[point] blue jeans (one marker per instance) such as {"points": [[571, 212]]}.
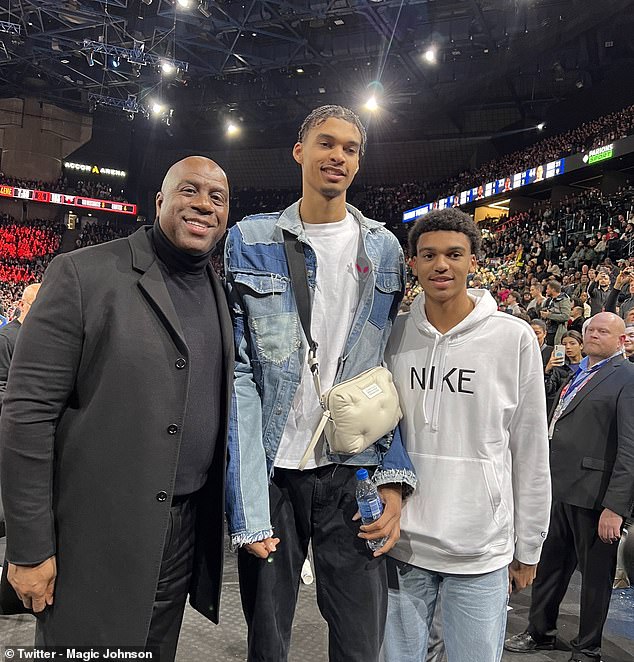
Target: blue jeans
{"points": [[473, 613]]}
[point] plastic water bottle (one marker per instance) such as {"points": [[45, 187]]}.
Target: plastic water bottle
{"points": [[370, 505]]}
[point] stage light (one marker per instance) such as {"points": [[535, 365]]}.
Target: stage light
{"points": [[232, 129], [90, 58], [168, 68], [372, 104], [157, 108], [430, 55], [183, 3], [115, 62], [541, 126], [299, 70]]}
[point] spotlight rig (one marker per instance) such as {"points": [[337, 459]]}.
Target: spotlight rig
{"points": [[136, 56]]}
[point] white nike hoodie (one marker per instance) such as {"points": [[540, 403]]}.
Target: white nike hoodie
{"points": [[474, 425]]}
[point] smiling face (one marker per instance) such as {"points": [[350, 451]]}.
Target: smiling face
{"points": [[443, 261], [329, 156], [193, 204]]}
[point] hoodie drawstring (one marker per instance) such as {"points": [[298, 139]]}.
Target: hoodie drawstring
{"points": [[430, 362], [439, 387]]}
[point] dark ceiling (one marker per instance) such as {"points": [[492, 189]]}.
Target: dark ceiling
{"points": [[265, 64]]}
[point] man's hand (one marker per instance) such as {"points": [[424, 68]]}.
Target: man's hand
{"points": [[610, 526], [520, 575], [544, 314], [623, 278], [34, 584], [554, 362], [263, 548], [389, 524]]}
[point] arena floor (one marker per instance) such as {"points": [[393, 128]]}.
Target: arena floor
{"points": [[202, 642]]}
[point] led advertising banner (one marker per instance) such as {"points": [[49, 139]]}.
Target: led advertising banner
{"points": [[534, 175], [69, 200]]}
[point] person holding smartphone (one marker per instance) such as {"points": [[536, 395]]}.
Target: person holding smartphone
{"points": [[562, 363], [622, 293]]}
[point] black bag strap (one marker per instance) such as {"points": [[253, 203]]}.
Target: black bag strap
{"points": [[294, 250], [299, 280]]}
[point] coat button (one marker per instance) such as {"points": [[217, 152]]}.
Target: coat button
{"points": [[181, 363], [161, 496], [172, 429]]}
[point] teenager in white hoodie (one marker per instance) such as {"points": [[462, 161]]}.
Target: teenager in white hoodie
{"points": [[470, 382]]}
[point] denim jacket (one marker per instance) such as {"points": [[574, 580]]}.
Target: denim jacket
{"points": [[270, 354]]}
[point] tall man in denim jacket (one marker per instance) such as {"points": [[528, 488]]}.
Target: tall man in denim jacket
{"points": [[355, 270]]}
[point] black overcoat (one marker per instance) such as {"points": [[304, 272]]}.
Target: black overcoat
{"points": [[89, 453]]}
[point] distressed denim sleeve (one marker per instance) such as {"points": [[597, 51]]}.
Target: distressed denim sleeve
{"points": [[247, 497], [395, 465]]}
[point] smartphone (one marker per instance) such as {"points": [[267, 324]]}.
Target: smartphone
{"points": [[559, 354]]}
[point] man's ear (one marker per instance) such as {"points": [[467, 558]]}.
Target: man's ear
{"points": [[298, 154], [159, 202], [414, 266]]}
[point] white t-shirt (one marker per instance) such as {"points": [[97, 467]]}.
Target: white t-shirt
{"points": [[335, 301]]}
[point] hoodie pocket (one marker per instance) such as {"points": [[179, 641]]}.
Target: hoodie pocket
{"points": [[461, 506]]}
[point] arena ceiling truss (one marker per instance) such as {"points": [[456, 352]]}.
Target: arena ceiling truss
{"points": [[267, 62]]}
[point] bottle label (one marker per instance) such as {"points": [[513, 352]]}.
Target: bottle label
{"points": [[371, 508]]}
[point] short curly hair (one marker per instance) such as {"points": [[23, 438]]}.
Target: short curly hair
{"points": [[449, 220], [323, 113]]}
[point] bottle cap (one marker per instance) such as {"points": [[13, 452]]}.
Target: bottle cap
{"points": [[362, 474]]}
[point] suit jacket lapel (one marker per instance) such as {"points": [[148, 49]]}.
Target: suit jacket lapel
{"points": [[153, 285], [603, 373]]}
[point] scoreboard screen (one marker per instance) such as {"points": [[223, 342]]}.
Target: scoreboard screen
{"points": [[79, 201]]}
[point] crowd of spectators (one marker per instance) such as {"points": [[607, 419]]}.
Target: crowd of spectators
{"points": [[27, 242], [386, 203], [25, 251], [571, 242], [246, 201], [89, 188], [93, 233], [588, 135]]}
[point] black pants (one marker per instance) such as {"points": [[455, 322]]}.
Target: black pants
{"points": [[174, 579], [351, 585], [573, 540]]}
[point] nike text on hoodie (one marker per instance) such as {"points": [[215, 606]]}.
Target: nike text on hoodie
{"points": [[474, 425]]}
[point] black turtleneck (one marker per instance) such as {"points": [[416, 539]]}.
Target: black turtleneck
{"points": [[187, 278]]}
